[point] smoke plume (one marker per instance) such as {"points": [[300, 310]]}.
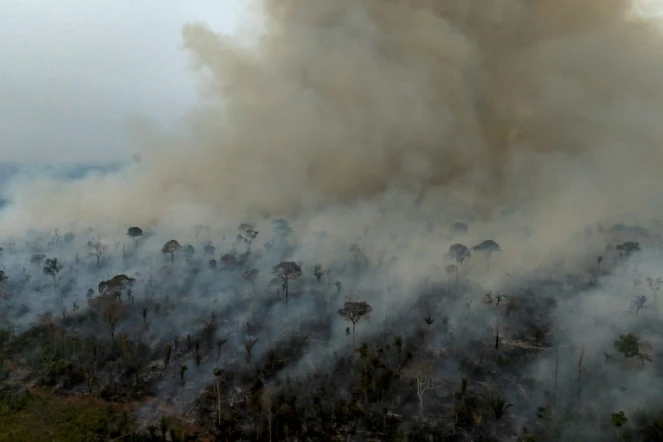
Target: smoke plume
{"points": [[475, 104]]}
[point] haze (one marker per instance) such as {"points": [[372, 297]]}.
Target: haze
{"points": [[73, 72]]}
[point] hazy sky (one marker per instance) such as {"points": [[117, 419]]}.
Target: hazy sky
{"points": [[73, 71]]}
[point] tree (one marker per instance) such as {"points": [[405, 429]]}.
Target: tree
{"points": [[135, 233], [248, 347], [618, 420], [247, 234], [188, 251], [98, 249], [460, 253], [281, 229], [218, 373], [421, 372], [209, 249], [639, 303], [183, 369], [499, 407], [37, 259], [487, 248], [497, 299], [170, 248], [52, 267], [655, 286], [113, 312], [630, 346], [69, 237], [116, 286], [459, 227], [268, 404], [3, 280], [318, 273], [197, 230], [250, 277], [427, 315], [628, 248], [353, 312], [284, 273]]}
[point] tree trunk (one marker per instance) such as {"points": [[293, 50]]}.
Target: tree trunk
{"points": [[353, 339], [457, 268], [497, 328], [555, 383], [285, 287], [218, 402]]}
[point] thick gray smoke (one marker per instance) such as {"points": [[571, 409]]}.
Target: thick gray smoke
{"points": [[478, 103]]}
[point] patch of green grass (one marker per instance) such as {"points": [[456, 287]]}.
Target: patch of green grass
{"points": [[32, 417]]}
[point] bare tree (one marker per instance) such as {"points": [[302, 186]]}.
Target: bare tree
{"points": [[496, 300], [98, 249], [248, 347], [655, 286], [268, 394], [218, 373], [421, 372], [197, 230]]}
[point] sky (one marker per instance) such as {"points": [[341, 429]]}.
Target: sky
{"points": [[74, 71]]}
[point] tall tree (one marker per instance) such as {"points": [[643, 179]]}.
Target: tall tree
{"points": [[285, 272], [135, 233], [353, 311], [459, 253], [487, 248], [499, 407], [52, 267], [197, 230], [170, 248], [98, 249], [491, 299], [3, 280], [421, 372]]}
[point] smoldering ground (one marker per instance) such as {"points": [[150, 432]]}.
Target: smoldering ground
{"points": [[379, 123]]}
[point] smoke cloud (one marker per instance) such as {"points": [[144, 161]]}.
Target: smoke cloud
{"points": [[454, 105]]}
